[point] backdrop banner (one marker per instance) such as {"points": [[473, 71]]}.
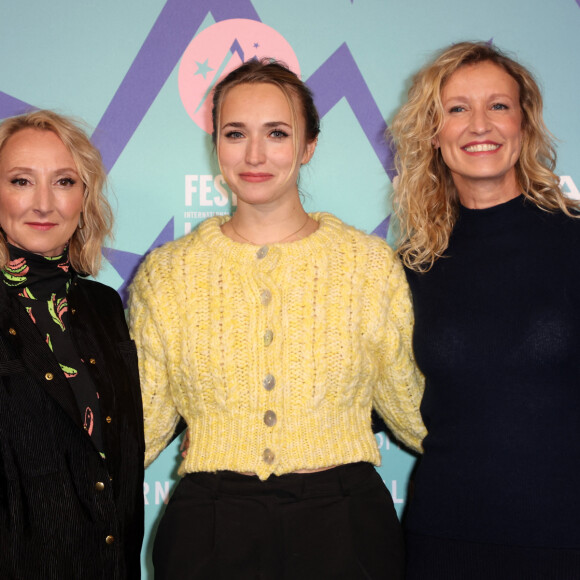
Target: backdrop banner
{"points": [[140, 74]]}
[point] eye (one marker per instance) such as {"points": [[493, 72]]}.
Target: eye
{"points": [[499, 107], [278, 134], [234, 135], [19, 181], [457, 109], [66, 181]]}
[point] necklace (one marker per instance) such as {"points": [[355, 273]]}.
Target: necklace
{"points": [[279, 241]]}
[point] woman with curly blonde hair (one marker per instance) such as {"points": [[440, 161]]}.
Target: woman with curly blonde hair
{"points": [[71, 420], [485, 235]]}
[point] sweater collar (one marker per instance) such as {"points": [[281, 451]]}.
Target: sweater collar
{"points": [[211, 234], [476, 222]]}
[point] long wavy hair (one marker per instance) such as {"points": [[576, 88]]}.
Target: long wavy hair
{"points": [[86, 242], [425, 200]]}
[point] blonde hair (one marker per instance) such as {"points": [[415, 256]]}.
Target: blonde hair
{"points": [[86, 243], [425, 200]]}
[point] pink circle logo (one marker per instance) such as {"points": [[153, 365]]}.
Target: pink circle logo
{"points": [[219, 49]]}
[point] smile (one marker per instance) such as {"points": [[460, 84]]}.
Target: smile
{"points": [[481, 147]]}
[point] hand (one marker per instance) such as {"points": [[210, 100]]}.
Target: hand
{"points": [[184, 447]]}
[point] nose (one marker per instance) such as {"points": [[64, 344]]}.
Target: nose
{"points": [[479, 120], [255, 152], [43, 198]]}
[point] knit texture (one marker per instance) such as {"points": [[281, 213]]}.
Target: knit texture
{"points": [[275, 356]]}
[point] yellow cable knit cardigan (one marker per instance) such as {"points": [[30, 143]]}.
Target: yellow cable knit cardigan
{"points": [[275, 355]]}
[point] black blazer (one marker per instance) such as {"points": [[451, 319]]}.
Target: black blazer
{"points": [[64, 511]]}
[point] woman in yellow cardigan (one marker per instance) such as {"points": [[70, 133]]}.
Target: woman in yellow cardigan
{"points": [[273, 333]]}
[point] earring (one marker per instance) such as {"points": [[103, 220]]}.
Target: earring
{"points": [[81, 222]]}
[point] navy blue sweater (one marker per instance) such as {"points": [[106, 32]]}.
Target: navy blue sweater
{"points": [[497, 335]]}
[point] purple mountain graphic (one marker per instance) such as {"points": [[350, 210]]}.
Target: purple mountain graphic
{"points": [[340, 77], [126, 263], [10, 106]]}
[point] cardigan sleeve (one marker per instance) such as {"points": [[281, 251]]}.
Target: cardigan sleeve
{"points": [[399, 390], [150, 319]]}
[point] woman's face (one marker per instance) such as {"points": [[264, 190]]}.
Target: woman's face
{"points": [[41, 193], [255, 146], [482, 134]]}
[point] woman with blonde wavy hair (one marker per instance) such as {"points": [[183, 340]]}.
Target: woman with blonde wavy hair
{"points": [[71, 427], [486, 238]]}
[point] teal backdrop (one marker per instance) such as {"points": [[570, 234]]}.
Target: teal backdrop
{"points": [[139, 72]]}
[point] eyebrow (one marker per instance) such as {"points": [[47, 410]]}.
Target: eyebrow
{"points": [[268, 125], [491, 97], [59, 170]]}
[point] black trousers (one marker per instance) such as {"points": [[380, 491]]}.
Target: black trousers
{"points": [[334, 524]]}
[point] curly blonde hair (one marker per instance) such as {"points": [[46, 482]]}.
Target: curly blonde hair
{"points": [[86, 243], [425, 200]]}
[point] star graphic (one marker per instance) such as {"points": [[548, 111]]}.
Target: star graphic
{"points": [[256, 45], [202, 68], [126, 263]]}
